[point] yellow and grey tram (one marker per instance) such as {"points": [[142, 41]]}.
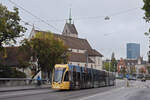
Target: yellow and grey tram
{"points": [[67, 77]]}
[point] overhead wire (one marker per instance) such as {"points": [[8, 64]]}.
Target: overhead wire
{"points": [[34, 15], [101, 16], [77, 18], [125, 11], [30, 24]]}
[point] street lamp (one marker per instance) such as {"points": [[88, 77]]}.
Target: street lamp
{"points": [[107, 18]]}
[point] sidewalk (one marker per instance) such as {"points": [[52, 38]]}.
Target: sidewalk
{"points": [[20, 88]]}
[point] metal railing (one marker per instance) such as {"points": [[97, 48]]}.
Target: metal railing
{"points": [[20, 81]]}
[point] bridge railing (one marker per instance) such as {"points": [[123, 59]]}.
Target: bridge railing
{"points": [[20, 81]]}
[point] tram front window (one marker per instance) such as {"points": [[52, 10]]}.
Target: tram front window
{"points": [[58, 75]]}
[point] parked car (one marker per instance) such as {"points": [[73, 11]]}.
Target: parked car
{"points": [[132, 78], [143, 80], [140, 76]]}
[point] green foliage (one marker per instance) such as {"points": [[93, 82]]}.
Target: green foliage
{"points": [[113, 68], [132, 70], [148, 68], [112, 64], [7, 72], [10, 27], [123, 71], [23, 64], [23, 58], [146, 8], [47, 49], [106, 66]]}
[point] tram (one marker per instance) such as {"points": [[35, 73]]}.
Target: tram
{"points": [[66, 77]]}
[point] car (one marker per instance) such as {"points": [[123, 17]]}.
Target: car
{"points": [[132, 78], [143, 80]]}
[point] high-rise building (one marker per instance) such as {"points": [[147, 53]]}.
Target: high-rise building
{"points": [[133, 51]]}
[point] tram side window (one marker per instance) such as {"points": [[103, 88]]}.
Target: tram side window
{"points": [[74, 76], [66, 76], [78, 76]]}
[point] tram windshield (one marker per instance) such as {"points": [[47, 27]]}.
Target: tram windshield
{"points": [[58, 74]]}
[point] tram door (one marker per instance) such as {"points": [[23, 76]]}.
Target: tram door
{"points": [[83, 80], [76, 79]]}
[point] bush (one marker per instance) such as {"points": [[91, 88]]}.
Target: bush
{"points": [[7, 72]]}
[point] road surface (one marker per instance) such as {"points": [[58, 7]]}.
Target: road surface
{"points": [[137, 91]]}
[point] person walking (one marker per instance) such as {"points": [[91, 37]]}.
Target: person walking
{"points": [[38, 81]]}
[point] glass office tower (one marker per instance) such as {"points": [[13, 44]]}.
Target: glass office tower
{"points": [[133, 50]]}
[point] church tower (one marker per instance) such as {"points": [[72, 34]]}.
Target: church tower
{"points": [[69, 28]]}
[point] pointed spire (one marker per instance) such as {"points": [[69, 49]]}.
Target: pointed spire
{"points": [[70, 17], [33, 28]]}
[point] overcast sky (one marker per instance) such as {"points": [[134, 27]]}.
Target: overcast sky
{"points": [[125, 25]]}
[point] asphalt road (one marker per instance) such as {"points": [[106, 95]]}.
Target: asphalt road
{"points": [[143, 94], [48, 94], [137, 91]]}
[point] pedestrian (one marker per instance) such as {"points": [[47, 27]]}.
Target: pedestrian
{"points": [[38, 81]]}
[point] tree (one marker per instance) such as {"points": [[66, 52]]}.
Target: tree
{"points": [[23, 63], [47, 49], [10, 27], [23, 58], [142, 70], [108, 66], [132, 70], [8, 72], [113, 62], [123, 71], [146, 8], [148, 69]]}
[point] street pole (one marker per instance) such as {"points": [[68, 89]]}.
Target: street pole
{"points": [[115, 73], [109, 72], [109, 66]]}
